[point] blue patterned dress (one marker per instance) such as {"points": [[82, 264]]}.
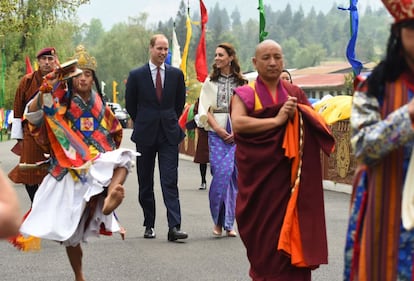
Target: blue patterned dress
{"points": [[215, 98]]}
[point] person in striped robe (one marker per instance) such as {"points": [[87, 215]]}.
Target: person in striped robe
{"points": [[379, 245]]}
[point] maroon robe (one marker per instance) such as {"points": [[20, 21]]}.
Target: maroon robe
{"points": [[31, 152], [264, 189]]}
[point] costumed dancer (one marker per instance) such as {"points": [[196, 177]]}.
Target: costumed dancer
{"points": [[32, 167], [380, 237], [77, 198]]}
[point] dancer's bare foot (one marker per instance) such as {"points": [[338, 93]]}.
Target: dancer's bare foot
{"points": [[122, 232], [114, 198]]}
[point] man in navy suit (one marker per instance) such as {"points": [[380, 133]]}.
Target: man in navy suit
{"points": [[156, 130]]}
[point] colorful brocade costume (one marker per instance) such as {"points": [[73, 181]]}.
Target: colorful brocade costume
{"points": [[68, 204], [378, 247], [265, 187]]}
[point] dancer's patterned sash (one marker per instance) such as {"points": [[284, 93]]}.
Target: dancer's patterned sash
{"points": [[76, 136], [381, 227]]}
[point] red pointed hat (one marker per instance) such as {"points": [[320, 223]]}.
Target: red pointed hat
{"points": [[400, 9]]}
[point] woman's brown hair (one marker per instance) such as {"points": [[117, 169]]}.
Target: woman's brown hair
{"points": [[234, 65]]}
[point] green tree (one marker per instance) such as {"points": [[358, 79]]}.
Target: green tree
{"points": [[249, 40], [285, 18], [59, 36], [27, 18], [290, 47], [180, 23], [93, 33], [235, 19], [24, 29], [276, 31], [130, 45], [310, 56]]}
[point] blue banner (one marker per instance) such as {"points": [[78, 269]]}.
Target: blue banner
{"points": [[350, 50]]}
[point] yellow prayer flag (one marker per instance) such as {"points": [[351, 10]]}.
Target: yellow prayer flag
{"points": [[183, 65]]}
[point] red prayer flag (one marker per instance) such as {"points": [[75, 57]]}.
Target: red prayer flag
{"points": [[29, 68], [201, 54]]}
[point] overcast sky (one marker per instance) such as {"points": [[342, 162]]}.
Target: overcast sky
{"points": [[115, 11]]}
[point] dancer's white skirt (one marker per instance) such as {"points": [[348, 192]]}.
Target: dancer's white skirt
{"points": [[59, 206]]}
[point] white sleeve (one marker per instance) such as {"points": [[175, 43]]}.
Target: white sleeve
{"points": [[35, 117], [17, 129], [207, 102]]}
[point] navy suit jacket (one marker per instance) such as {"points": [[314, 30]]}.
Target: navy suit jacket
{"points": [[148, 114]]}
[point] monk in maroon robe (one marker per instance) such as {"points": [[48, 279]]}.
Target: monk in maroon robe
{"points": [[260, 115]]}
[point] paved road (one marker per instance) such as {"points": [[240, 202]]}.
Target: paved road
{"points": [[201, 257]]}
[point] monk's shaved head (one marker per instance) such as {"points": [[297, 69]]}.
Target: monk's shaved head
{"points": [[268, 60], [266, 44]]}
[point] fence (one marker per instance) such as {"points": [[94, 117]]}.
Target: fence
{"points": [[339, 167]]}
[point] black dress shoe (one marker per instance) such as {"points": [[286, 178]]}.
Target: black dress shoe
{"points": [[175, 234], [149, 232]]}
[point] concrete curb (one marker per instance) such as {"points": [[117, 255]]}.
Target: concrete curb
{"points": [[338, 187]]}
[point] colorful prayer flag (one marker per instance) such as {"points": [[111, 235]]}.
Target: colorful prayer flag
{"points": [[350, 49], [262, 25], [29, 68], [183, 65], [201, 54], [176, 55], [168, 59]]}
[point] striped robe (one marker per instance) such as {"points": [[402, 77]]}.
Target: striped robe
{"points": [[377, 246]]}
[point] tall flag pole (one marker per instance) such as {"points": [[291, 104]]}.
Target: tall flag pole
{"points": [[114, 91], [103, 84], [175, 56], [3, 74], [262, 25], [350, 49], [201, 54], [183, 65]]}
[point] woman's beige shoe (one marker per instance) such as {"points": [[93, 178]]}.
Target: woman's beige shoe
{"points": [[231, 233], [217, 230]]}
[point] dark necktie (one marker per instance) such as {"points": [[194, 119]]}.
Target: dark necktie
{"points": [[158, 85]]}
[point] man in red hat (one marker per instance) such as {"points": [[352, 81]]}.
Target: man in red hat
{"points": [[380, 237], [27, 171]]}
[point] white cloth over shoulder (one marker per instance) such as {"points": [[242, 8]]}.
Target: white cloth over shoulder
{"points": [[208, 102], [59, 206], [407, 205]]}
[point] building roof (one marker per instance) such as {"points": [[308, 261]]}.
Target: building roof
{"points": [[327, 75], [319, 80], [331, 67]]}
